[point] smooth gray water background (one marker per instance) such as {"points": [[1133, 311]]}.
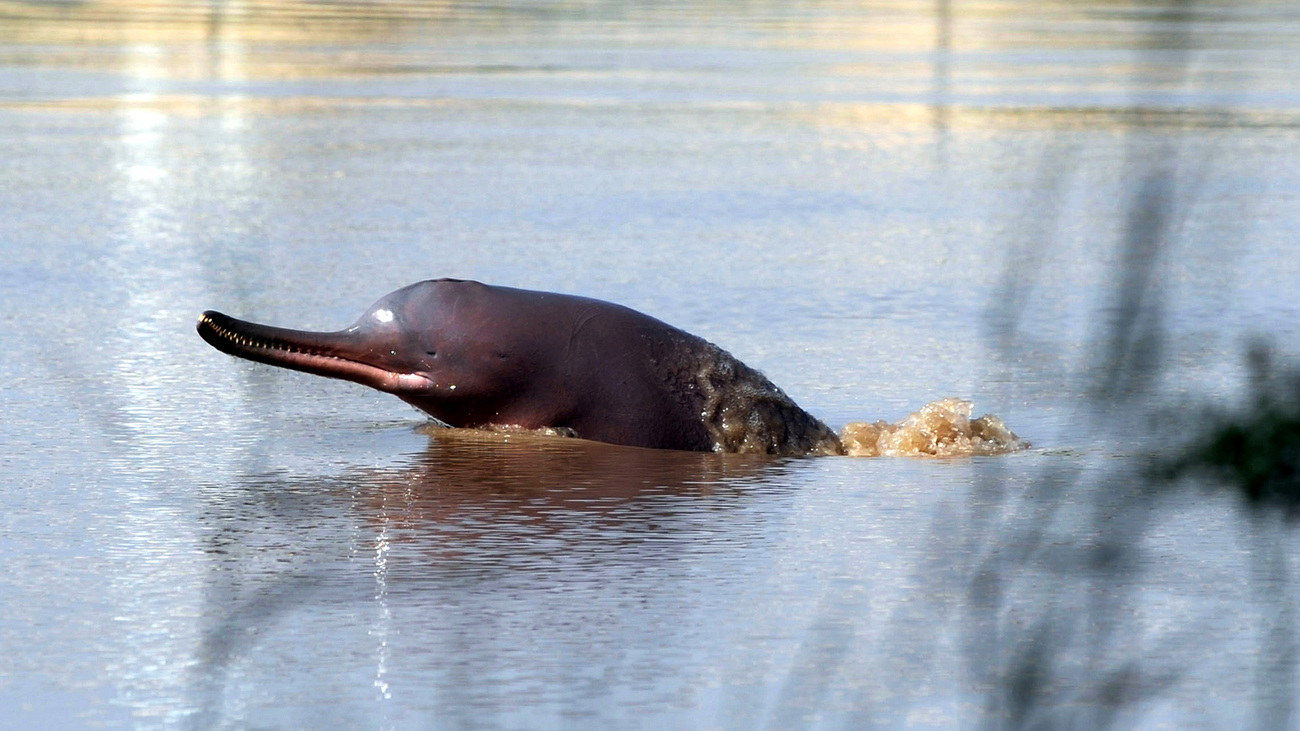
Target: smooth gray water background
{"points": [[878, 204]]}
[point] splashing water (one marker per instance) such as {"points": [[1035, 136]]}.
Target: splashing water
{"points": [[941, 428]]}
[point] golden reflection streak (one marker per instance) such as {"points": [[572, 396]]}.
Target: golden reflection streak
{"points": [[882, 25], [121, 21], [826, 115]]}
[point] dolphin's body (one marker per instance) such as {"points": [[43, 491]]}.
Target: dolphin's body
{"points": [[474, 355]]}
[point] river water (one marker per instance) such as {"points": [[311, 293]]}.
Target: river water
{"points": [[878, 204]]}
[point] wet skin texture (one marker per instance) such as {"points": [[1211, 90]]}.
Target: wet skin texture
{"points": [[472, 355]]}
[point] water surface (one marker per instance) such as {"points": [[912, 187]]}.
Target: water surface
{"points": [[877, 204]]}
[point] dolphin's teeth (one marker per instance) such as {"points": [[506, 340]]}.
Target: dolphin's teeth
{"points": [[252, 343]]}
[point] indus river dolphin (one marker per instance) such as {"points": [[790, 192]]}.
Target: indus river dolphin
{"points": [[474, 355]]}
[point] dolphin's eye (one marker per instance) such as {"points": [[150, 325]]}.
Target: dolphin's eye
{"points": [[392, 352], [431, 352]]}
